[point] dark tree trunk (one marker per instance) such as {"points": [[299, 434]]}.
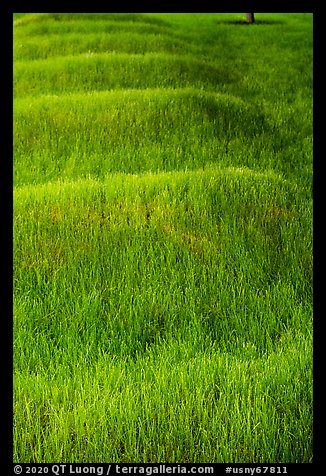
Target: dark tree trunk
{"points": [[250, 17]]}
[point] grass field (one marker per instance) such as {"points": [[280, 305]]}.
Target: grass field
{"points": [[162, 238]]}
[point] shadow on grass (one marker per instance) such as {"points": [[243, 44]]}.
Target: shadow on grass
{"points": [[257, 22]]}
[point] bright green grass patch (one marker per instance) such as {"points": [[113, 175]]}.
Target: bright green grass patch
{"points": [[149, 130], [26, 19], [162, 238], [109, 41], [263, 88], [99, 71], [162, 246], [135, 130], [184, 405]]}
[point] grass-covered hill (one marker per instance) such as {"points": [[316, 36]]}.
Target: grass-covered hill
{"points": [[162, 238]]}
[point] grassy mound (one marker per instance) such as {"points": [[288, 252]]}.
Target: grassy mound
{"points": [[135, 131], [163, 238]]}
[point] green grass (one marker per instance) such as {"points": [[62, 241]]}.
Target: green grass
{"points": [[162, 238]]}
